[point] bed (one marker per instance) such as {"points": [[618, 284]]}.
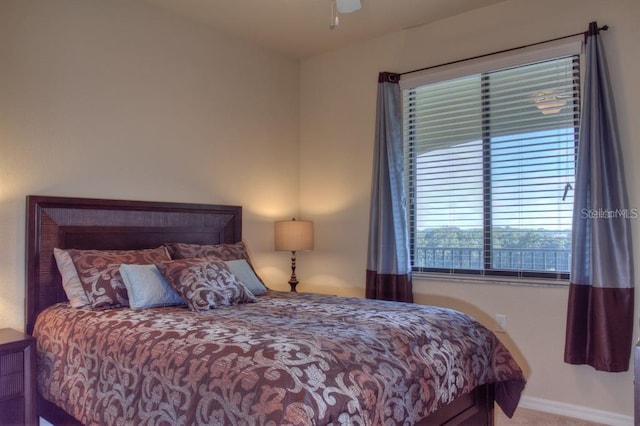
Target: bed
{"points": [[282, 358]]}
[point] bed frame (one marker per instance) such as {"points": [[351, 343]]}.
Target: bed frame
{"points": [[89, 223]]}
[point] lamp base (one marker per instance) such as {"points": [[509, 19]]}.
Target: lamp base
{"points": [[293, 281]]}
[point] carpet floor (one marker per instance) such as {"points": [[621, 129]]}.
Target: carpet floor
{"points": [[524, 416]]}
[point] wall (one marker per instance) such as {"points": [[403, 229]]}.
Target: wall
{"points": [[115, 99], [337, 113]]}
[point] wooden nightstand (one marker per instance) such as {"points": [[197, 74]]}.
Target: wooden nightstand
{"points": [[17, 378]]}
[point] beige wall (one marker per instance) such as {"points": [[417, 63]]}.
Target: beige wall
{"points": [[337, 113], [114, 99]]}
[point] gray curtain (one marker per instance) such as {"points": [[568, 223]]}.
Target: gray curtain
{"points": [[600, 310], [388, 260]]}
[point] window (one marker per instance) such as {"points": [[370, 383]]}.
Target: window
{"points": [[489, 165]]}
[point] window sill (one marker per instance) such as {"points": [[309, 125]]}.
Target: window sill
{"points": [[489, 279]]}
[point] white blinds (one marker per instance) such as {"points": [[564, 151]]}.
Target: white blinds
{"points": [[490, 167]]}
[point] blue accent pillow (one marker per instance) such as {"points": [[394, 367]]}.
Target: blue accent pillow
{"points": [[247, 276], [147, 287]]}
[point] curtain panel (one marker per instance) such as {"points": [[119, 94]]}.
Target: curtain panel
{"points": [[601, 294], [388, 259]]}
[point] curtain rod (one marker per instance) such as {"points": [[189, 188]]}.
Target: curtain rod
{"points": [[603, 28]]}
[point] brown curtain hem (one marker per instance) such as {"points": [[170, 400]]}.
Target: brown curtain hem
{"points": [[599, 327], [389, 287]]}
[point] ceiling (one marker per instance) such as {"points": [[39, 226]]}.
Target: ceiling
{"points": [[300, 28]]}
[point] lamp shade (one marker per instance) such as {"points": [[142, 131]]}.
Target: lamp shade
{"points": [[293, 235]]}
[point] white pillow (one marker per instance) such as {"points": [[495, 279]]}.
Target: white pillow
{"points": [[70, 279], [246, 275], [147, 287]]}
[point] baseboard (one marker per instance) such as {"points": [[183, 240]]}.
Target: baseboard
{"points": [[575, 411]]}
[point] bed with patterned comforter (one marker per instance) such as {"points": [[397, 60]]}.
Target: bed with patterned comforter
{"points": [[286, 359]]}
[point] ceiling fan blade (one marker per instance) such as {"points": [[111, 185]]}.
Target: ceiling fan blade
{"points": [[348, 6]]}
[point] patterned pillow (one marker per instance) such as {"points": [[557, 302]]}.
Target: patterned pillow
{"points": [[223, 251], [205, 283], [100, 276], [235, 251]]}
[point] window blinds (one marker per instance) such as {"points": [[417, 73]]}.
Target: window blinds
{"points": [[490, 163]]}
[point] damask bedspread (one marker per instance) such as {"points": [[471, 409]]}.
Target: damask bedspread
{"points": [[286, 359]]}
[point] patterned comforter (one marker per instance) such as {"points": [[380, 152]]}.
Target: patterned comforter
{"points": [[287, 359]]}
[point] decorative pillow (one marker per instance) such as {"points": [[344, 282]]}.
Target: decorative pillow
{"points": [[70, 280], [100, 276], [246, 275], [235, 251], [147, 287], [204, 283], [223, 251]]}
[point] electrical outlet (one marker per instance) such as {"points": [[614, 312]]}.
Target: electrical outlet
{"points": [[501, 323]]}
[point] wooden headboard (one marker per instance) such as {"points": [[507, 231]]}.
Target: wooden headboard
{"points": [[89, 223]]}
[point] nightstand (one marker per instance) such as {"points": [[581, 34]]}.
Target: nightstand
{"points": [[17, 378]]}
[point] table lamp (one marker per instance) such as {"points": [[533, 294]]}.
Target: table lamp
{"points": [[293, 235]]}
